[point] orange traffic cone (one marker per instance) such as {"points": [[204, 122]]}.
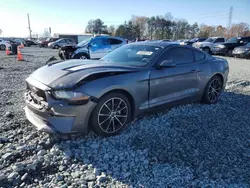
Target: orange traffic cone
{"points": [[22, 45], [19, 55], [7, 51]]}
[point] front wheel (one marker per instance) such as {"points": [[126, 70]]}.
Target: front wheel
{"points": [[111, 115], [2, 47], [213, 90], [81, 56], [56, 46], [207, 50]]}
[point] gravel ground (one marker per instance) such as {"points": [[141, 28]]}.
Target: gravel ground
{"points": [[189, 146]]}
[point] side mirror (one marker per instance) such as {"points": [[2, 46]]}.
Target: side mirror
{"points": [[168, 64]]}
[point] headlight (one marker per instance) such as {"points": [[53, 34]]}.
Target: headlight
{"points": [[70, 95], [221, 46]]}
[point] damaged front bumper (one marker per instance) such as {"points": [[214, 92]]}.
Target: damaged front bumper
{"points": [[56, 116]]}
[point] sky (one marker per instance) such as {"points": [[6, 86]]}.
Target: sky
{"points": [[71, 16]]}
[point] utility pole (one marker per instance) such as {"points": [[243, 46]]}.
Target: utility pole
{"points": [[230, 14], [29, 24]]}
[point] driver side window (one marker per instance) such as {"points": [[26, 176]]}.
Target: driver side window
{"points": [[97, 43], [178, 55], [62, 41]]}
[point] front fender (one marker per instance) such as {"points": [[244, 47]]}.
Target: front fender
{"points": [[136, 84]]}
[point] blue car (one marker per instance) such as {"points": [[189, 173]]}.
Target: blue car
{"points": [[91, 48]]}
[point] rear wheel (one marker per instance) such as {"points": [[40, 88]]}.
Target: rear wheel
{"points": [[2, 47], [230, 53], [213, 90], [111, 115]]}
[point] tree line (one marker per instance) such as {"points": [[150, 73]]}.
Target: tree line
{"points": [[165, 27]]}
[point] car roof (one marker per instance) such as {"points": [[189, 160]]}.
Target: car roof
{"points": [[159, 43]]}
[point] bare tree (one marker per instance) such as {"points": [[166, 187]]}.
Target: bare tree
{"points": [[240, 29], [141, 23], [111, 30], [46, 33]]}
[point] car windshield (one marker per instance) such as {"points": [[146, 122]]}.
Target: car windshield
{"points": [[132, 55], [209, 40], [194, 40], [84, 42], [59, 40], [232, 40], [248, 44]]}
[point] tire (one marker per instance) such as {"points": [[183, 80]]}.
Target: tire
{"points": [[81, 56], [207, 50], [212, 92], [61, 55], [229, 53], [107, 120], [56, 47], [2, 47]]}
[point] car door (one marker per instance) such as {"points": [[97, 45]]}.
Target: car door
{"points": [[98, 48], [174, 83], [62, 42]]}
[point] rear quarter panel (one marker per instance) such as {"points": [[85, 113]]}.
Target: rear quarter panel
{"points": [[209, 68]]}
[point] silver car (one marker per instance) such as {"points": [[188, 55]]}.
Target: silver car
{"points": [[105, 95], [208, 44]]}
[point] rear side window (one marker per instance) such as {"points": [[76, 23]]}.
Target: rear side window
{"points": [[198, 56], [114, 41], [97, 42], [245, 40], [220, 40], [179, 55]]}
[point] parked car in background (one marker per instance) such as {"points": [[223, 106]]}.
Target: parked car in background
{"points": [[91, 48], [166, 40], [44, 43], [191, 41], [4, 44], [228, 47], [31, 42], [182, 42], [20, 41], [105, 95], [242, 51], [208, 44], [61, 42]]}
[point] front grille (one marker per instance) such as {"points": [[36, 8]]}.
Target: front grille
{"points": [[36, 91]]}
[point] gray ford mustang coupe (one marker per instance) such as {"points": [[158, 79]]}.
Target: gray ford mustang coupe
{"points": [[105, 95]]}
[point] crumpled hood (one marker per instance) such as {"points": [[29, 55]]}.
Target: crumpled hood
{"points": [[66, 74]]}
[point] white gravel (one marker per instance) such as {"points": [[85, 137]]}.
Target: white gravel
{"points": [[188, 146]]}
